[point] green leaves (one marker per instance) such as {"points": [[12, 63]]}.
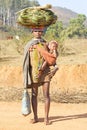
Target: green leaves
{"points": [[36, 17], [76, 28]]}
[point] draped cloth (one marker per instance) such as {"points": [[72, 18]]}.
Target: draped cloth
{"points": [[26, 61], [27, 74]]}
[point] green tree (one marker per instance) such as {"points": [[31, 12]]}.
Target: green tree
{"points": [[54, 31], [8, 8], [76, 28]]}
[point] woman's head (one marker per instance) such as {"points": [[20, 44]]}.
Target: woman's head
{"points": [[37, 32]]}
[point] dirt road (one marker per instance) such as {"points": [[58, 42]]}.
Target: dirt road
{"points": [[62, 116]]}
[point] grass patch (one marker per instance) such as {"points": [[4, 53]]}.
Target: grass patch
{"points": [[15, 94]]}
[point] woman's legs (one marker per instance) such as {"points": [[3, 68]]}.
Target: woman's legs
{"points": [[34, 102], [46, 86]]}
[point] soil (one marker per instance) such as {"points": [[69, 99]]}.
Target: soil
{"points": [[62, 117]]}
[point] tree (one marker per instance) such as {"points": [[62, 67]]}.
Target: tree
{"points": [[76, 28], [4, 10], [8, 8], [54, 31]]}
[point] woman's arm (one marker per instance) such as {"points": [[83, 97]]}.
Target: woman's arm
{"points": [[48, 57]]}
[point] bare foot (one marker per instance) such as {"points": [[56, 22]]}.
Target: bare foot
{"points": [[34, 121], [47, 122]]}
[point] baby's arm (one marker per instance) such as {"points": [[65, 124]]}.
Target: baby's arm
{"points": [[55, 53]]}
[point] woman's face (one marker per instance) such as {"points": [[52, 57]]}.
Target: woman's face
{"points": [[37, 34]]}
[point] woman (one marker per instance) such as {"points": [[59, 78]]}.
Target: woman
{"points": [[32, 61]]}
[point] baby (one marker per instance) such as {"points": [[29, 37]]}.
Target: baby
{"points": [[52, 48]]}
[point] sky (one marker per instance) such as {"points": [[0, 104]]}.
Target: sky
{"points": [[78, 6]]}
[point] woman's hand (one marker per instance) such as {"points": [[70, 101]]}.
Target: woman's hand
{"points": [[32, 47]]}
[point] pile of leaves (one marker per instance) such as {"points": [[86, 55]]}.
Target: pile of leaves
{"points": [[36, 17]]}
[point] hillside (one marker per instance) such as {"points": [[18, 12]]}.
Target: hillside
{"points": [[70, 82], [68, 85], [65, 14]]}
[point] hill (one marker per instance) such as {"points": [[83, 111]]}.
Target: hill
{"points": [[65, 14]]}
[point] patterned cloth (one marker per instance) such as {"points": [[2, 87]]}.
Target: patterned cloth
{"points": [[27, 65], [32, 62], [36, 61]]}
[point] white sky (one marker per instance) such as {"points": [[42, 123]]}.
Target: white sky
{"points": [[78, 6]]}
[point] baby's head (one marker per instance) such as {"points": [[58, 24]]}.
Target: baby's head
{"points": [[53, 45]]}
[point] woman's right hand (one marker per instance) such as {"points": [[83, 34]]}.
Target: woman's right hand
{"points": [[32, 47], [35, 46]]}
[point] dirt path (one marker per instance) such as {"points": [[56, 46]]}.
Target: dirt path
{"points": [[62, 116]]}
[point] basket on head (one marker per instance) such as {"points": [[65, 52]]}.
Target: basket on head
{"points": [[36, 17]]}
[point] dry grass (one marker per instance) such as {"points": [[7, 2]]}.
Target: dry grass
{"points": [[15, 94], [75, 53]]}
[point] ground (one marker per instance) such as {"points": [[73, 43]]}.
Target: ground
{"points": [[63, 117], [69, 109]]}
